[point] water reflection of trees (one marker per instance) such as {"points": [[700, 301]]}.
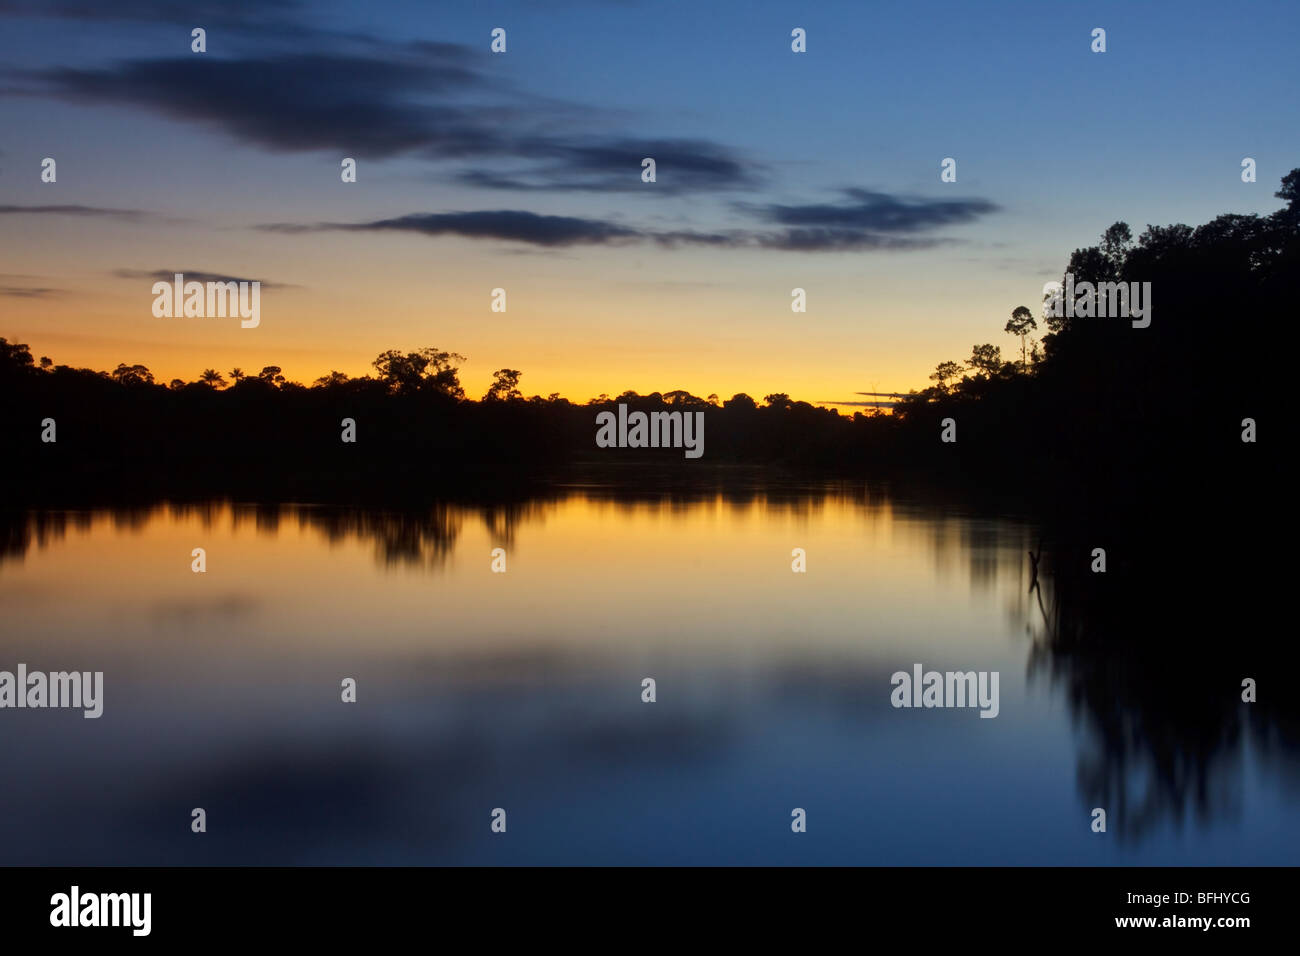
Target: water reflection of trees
{"points": [[1150, 657], [425, 532]]}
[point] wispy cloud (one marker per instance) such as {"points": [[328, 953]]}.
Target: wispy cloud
{"points": [[681, 166], [293, 102], [507, 224], [876, 212], [377, 99], [96, 212], [24, 292], [868, 222], [227, 13], [169, 275]]}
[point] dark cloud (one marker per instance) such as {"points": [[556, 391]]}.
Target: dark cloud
{"points": [[169, 275], [381, 100], [863, 221], [691, 237], [694, 158], [292, 102], [868, 211], [20, 292], [681, 165], [507, 224], [844, 240], [277, 24], [797, 240], [484, 179], [198, 12], [131, 215], [514, 225]]}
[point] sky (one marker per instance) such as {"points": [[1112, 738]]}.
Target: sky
{"points": [[522, 170]]}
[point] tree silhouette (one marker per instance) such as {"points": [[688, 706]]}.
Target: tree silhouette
{"points": [[505, 385], [14, 359], [131, 375], [212, 378], [426, 369], [1022, 323], [332, 380], [271, 375], [986, 358], [945, 371], [1115, 244]]}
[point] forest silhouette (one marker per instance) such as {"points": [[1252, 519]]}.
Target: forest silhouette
{"points": [[1095, 403]]}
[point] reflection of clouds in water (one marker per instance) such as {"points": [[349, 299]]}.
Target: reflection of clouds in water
{"points": [[224, 608], [398, 783], [399, 778]]}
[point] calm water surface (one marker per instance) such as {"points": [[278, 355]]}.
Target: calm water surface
{"points": [[523, 691]]}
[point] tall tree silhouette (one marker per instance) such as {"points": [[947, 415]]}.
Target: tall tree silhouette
{"points": [[1021, 323]]}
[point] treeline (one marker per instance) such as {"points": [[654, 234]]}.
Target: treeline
{"points": [[1088, 403], [1102, 400], [411, 422]]}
